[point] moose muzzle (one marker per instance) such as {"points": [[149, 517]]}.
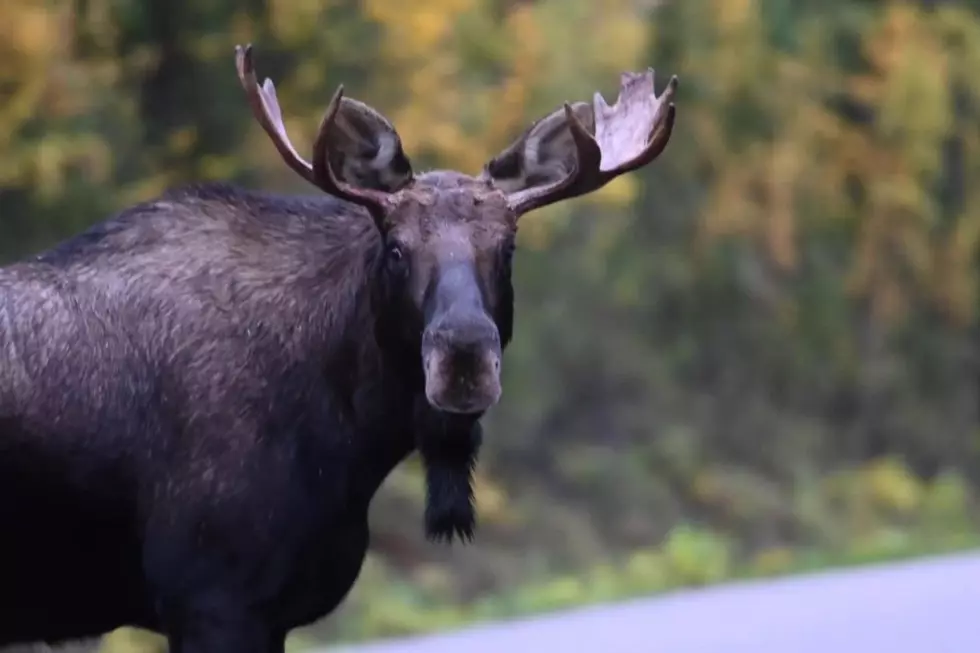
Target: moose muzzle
{"points": [[461, 348]]}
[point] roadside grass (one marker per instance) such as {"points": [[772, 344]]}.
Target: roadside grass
{"points": [[880, 512], [401, 611], [877, 513]]}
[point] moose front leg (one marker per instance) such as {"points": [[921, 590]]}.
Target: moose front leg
{"points": [[217, 622], [449, 445], [213, 573]]}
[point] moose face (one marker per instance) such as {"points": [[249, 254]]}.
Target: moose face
{"points": [[448, 246], [449, 237]]}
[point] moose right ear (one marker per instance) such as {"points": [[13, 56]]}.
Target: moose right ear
{"points": [[363, 149], [543, 155]]}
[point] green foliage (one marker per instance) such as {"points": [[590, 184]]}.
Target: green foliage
{"points": [[877, 512], [755, 356]]}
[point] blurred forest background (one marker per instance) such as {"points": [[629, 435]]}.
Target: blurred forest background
{"points": [[759, 354]]}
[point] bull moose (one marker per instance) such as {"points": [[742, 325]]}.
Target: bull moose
{"points": [[200, 395]]}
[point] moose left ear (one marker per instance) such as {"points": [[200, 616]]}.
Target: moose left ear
{"points": [[581, 147], [544, 154]]}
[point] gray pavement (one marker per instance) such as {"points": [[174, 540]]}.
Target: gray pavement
{"points": [[925, 606]]}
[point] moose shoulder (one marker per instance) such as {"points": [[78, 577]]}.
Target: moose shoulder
{"points": [[200, 396]]}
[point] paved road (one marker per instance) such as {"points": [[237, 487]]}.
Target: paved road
{"points": [[930, 606]]}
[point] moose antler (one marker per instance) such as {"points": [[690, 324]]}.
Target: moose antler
{"points": [[265, 108], [628, 135]]}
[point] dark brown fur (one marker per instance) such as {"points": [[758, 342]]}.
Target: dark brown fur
{"points": [[188, 399]]}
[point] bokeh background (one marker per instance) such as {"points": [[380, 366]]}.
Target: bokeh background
{"points": [[758, 355]]}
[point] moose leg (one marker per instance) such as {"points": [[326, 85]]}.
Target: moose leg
{"points": [[224, 644], [218, 623]]}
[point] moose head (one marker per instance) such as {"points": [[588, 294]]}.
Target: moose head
{"points": [[448, 237]]}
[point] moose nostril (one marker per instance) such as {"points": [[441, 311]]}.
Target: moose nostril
{"points": [[496, 364]]}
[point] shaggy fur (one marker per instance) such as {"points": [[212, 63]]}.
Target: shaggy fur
{"points": [[198, 399]]}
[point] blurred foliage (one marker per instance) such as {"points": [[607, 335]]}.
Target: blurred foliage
{"points": [[759, 354], [880, 511]]}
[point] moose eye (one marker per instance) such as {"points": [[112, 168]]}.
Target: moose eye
{"points": [[395, 259]]}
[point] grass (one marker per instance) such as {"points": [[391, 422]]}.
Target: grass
{"points": [[402, 612], [877, 513]]}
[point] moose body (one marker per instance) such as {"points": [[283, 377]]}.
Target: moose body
{"points": [[200, 396], [167, 391]]}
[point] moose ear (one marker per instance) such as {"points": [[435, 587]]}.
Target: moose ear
{"points": [[543, 155], [363, 150], [580, 148]]}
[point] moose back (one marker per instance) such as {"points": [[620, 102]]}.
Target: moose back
{"points": [[200, 396]]}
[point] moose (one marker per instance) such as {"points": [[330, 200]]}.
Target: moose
{"points": [[200, 395]]}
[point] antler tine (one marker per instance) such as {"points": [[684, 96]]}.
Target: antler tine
{"points": [[265, 108], [628, 135]]}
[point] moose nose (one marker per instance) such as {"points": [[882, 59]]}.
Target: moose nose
{"points": [[461, 361], [463, 338]]}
